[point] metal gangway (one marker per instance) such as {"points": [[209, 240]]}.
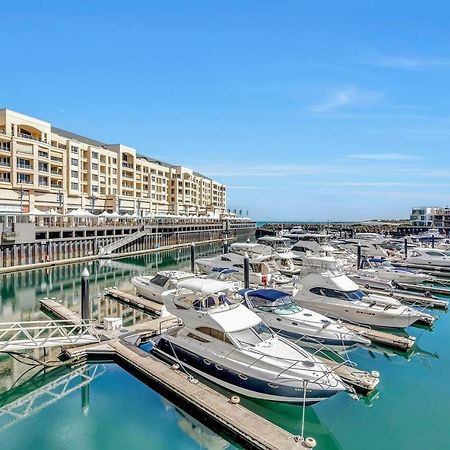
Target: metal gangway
{"points": [[108, 249], [48, 394], [19, 336]]}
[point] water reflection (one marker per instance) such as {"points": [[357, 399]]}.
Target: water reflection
{"points": [[20, 291], [201, 434]]}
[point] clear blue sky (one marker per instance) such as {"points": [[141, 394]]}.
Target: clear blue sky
{"points": [[307, 110]]}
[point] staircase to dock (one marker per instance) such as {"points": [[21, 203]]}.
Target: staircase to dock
{"points": [[108, 249]]}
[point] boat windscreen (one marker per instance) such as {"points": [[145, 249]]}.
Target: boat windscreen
{"points": [[252, 336]]}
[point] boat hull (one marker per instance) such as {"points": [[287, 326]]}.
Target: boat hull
{"points": [[237, 382]]}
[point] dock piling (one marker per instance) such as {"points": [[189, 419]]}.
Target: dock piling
{"points": [[246, 272], [85, 310], [406, 247], [192, 258], [358, 257]]}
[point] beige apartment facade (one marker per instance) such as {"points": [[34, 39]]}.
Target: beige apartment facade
{"points": [[45, 167]]}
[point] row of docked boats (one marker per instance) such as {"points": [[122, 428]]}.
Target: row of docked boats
{"points": [[261, 340]]}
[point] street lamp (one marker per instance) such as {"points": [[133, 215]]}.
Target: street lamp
{"points": [[60, 199], [21, 194], [93, 203]]}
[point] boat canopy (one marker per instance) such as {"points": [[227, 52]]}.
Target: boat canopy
{"points": [[205, 286], [271, 295], [235, 319]]}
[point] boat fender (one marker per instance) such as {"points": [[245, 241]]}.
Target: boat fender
{"points": [[366, 286], [235, 400], [309, 442], [428, 294], [175, 366], [375, 374]]}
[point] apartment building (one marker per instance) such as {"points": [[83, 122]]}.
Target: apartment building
{"points": [[430, 216], [45, 167]]}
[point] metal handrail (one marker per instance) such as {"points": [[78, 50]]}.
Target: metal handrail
{"points": [[38, 333]]}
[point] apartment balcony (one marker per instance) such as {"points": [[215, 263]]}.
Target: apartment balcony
{"points": [[56, 173], [56, 185], [127, 165], [31, 137], [25, 166], [2, 130], [5, 180], [4, 149], [42, 184], [5, 164], [56, 159]]}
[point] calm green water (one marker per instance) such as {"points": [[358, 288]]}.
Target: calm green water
{"points": [[410, 409]]}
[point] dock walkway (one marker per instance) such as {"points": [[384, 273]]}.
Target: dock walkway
{"points": [[244, 426]]}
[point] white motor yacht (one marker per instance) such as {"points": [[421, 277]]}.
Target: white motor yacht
{"points": [[231, 346], [429, 257], [282, 262], [340, 298], [152, 287], [307, 328], [260, 271], [381, 272]]}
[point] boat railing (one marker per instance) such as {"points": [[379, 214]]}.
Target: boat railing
{"points": [[293, 363]]}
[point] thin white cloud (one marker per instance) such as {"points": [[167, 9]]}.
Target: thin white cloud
{"points": [[344, 97], [383, 156], [406, 62]]}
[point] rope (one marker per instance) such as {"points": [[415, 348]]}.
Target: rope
{"points": [[191, 378]]}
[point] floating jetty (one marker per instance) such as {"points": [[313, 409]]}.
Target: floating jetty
{"points": [[244, 426], [362, 381], [391, 340], [410, 298], [134, 301]]}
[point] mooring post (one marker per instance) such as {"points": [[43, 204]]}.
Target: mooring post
{"points": [[225, 246], [85, 310], [406, 247], [432, 241], [246, 272], [358, 257], [192, 258]]}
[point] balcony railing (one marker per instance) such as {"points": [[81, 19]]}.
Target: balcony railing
{"points": [[55, 158], [43, 184], [31, 137], [5, 164], [56, 186], [24, 166], [5, 180], [124, 164], [56, 172]]}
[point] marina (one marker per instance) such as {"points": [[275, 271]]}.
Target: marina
{"points": [[209, 230], [367, 383]]}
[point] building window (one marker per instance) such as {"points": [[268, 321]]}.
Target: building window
{"points": [[24, 178], [94, 188], [74, 173], [94, 166], [74, 150], [94, 155], [94, 177], [43, 167], [5, 146], [42, 154], [42, 181], [74, 186], [24, 164], [74, 162], [5, 161], [5, 177]]}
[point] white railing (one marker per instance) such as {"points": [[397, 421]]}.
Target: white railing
{"points": [[17, 336], [108, 249]]}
